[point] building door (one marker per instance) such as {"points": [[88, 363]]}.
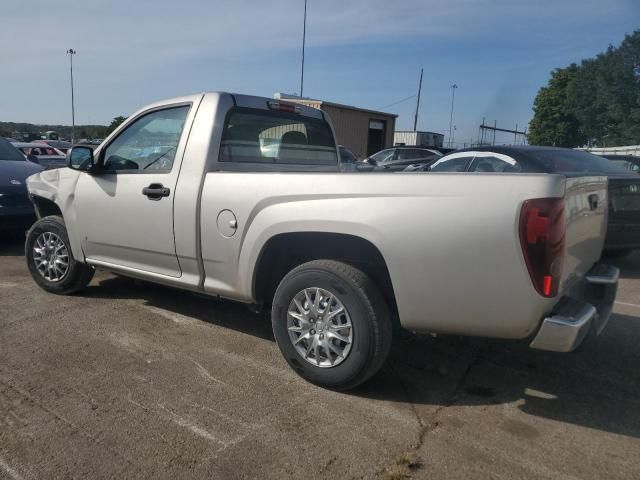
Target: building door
{"points": [[376, 137]]}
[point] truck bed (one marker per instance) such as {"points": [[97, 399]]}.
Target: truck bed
{"points": [[450, 241]]}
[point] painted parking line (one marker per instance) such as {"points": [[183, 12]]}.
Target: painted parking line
{"points": [[628, 304]]}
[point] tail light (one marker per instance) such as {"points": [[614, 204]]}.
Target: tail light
{"points": [[542, 232]]}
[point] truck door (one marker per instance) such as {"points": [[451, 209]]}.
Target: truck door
{"points": [[125, 211]]}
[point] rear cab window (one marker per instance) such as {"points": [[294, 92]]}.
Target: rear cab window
{"points": [[265, 137]]}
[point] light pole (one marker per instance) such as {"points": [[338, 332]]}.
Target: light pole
{"points": [[71, 53], [304, 37], [453, 97]]}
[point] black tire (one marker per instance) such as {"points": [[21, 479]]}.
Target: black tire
{"points": [[77, 276], [369, 314]]}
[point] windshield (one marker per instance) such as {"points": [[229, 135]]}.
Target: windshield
{"points": [[575, 161], [9, 152]]}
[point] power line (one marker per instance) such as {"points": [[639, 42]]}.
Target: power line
{"points": [[396, 103]]}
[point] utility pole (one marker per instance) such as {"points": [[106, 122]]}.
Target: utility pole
{"points": [[453, 97], [71, 53], [492, 133], [304, 37], [495, 126], [415, 118]]}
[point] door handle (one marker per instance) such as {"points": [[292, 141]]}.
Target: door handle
{"points": [[156, 191]]}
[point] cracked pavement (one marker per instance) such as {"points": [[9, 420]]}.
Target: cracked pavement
{"points": [[129, 379]]}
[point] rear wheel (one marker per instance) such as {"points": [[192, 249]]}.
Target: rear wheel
{"points": [[331, 324], [49, 258]]}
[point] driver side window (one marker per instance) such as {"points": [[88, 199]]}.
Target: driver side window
{"points": [[149, 143]]}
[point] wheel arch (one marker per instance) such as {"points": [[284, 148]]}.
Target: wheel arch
{"points": [[284, 251], [45, 207]]}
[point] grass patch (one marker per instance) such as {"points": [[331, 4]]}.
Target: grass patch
{"points": [[403, 468]]}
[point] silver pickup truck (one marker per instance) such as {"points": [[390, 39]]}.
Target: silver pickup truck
{"points": [[242, 197]]}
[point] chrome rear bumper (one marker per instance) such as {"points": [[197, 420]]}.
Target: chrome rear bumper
{"points": [[587, 310]]}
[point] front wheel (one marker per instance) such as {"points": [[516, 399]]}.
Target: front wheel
{"points": [[49, 258], [331, 323]]}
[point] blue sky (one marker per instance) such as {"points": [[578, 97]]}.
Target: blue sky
{"points": [[363, 53]]}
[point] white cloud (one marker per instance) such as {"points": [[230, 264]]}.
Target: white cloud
{"points": [[118, 39]]}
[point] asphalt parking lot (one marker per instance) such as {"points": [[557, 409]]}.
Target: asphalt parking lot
{"points": [[128, 379]]}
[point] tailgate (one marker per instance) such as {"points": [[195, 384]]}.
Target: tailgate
{"points": [[586, 219], [624, 200]]}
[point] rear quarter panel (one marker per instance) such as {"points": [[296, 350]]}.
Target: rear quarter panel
{"points": [[450, 241]]}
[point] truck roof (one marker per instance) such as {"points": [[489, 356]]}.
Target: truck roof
{"points": [[240, 100]]}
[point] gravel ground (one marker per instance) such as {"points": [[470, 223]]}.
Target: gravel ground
{"points": [[129, 379]]}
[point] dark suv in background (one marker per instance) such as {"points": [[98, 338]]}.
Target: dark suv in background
{"points": [[16, 210]]}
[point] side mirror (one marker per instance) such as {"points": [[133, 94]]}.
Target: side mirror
{"points": [[33, 158], [80, 158]]}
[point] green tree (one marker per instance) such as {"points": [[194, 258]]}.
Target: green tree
{"points": [[606, 95], [597, 102], [115, 123], [554, 122]]}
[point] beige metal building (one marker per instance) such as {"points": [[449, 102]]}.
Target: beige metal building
{"points": [[363, 131], [418, 139]]}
